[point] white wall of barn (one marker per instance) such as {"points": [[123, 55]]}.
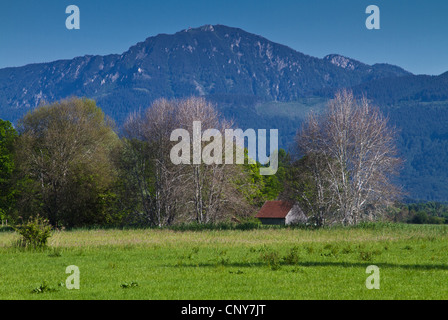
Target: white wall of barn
{"points": [[295, 215]]}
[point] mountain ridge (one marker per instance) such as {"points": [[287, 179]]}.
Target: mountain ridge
{"points": [[237, 67]]}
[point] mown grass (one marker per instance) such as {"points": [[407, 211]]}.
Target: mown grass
{"points": [[265, 263]]}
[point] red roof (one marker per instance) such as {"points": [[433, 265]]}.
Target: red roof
{"points": [[274, 209]]}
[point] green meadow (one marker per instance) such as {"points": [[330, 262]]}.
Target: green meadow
{"points": [[259, 264]]}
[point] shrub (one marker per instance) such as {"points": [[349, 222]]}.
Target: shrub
{"points": [[366, 255], [369, 255], [272, 258], [292, 257], [56, 253], [6, 228], [222, 259], [35, 232]]}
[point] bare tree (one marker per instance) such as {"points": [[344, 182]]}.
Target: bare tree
{"points": [[353, 159], [308, 184], [187, 191], [211, 187], [157, 181]]}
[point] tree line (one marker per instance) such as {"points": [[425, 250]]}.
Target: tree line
{"points": [[66, 162]]}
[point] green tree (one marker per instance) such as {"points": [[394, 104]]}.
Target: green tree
{"points": [[258, 188], [64, 159], [8, 136]]}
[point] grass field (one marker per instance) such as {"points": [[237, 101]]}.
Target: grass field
{"points": [[258, 264]]}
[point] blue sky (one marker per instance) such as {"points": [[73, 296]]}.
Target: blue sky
{"points": [[413, 34]]}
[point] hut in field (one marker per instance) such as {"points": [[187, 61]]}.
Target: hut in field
{"points": [[281, 213]]}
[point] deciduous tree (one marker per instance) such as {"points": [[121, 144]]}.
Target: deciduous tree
{"points": [[351, 160], [8, 136], [63, 152]]}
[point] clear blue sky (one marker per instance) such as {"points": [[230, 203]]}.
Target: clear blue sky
{"points": [[413, 34]]}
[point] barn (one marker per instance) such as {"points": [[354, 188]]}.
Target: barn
{"points": [[281, 213]]}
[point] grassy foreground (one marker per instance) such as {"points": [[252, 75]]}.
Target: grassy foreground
{"points": [[258, 264]]}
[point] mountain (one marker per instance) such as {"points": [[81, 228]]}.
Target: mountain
{"points": [[259, 83], [213, 61]]}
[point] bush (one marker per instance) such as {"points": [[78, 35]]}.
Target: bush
{"points": [[6, 228], [421, 217], [292, 257], [35, 232], [272, 258]]}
